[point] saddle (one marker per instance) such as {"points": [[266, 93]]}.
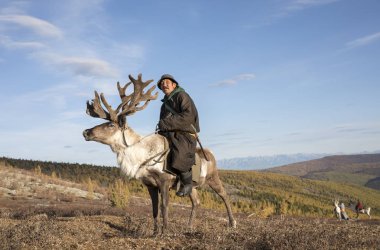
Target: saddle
{"points": [[196, 168]]}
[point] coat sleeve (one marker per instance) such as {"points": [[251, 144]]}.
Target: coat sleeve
{"points": [[185, 117]]}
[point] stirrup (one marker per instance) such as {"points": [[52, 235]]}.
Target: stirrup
{"points": [[185, 190]]}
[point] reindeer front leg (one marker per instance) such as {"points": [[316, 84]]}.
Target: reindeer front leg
{"points": [[164, 188], [153, 192]]}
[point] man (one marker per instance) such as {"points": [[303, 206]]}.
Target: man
{"points": [[358, 208], [178, 123]]}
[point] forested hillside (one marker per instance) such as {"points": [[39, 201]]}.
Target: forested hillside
{"points": [[363, 170], [257, 193], [69, 171]]}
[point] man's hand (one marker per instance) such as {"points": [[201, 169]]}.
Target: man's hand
{"points": [[157, 129], [161, 126]]}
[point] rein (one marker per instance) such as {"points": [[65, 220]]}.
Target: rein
{"points": [[162, 154], [162, 158], [122, 132], [125, 141]]}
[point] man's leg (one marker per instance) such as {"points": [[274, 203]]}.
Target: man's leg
{"points": [[186, 183], [183, 156]]}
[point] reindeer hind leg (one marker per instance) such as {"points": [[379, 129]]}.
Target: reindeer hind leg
{"points": [[195, 202], [215, 183]]}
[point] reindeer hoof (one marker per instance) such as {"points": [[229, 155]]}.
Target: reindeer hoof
{"points": [[233, 224]]}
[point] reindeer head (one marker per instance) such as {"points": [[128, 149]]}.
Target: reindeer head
{"points": [[109, 132], [336, 202]]}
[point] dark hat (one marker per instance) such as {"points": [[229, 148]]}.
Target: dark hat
{"points": [[166, 76]]}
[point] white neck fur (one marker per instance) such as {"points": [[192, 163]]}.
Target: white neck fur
{"points": [[137, 150]]}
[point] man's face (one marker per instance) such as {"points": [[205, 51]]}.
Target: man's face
{"points": [[167, 86]]}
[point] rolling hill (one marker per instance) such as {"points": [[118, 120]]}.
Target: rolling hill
{"points": [[258, 193], [362, 169], [262, 162]]}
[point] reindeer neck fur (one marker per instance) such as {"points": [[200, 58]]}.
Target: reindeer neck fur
{"points": [[133, 150]]}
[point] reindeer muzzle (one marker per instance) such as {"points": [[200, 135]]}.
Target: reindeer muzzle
{"points": [[86, 134]]}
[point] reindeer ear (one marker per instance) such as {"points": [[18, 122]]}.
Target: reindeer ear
{"points": [[121, 120]]}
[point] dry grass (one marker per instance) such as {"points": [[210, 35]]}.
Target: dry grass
{"points": [[88, 227]]}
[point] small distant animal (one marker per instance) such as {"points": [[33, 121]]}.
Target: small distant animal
{"points": [[364, 210], [337, 211]]}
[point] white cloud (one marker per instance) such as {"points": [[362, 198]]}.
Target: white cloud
{"points": [[245, 77], [284, 9], [363, 41], [87, 66], [303, 4], [288, 8], [80, 66], [34, 24], [100, 57], [9, 43], [234, 80]]}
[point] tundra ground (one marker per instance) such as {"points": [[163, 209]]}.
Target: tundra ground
{"points": [[39, 213], [94, 226]]}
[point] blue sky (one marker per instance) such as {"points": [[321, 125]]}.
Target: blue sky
{"points": [[268, 77]]}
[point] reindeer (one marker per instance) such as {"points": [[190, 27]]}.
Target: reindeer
{"points": [[142, 157], [337, 211], [366, 211]]}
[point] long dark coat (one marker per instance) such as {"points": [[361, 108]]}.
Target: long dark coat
{"points": [[176, 127]]}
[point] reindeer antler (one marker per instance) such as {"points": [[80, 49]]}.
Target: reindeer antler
{"points": [[95, 109], [129, 104]]}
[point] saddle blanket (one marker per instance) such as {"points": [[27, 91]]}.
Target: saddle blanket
{"points": [[196, 169]]}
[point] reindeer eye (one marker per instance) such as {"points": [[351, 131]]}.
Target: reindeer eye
{"points": [[111, 125]]}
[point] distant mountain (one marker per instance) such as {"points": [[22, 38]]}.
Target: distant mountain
{"points": [[361, 169], [262, 162]]}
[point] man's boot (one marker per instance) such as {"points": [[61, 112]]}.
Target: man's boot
{"points": [[186, 184]]}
